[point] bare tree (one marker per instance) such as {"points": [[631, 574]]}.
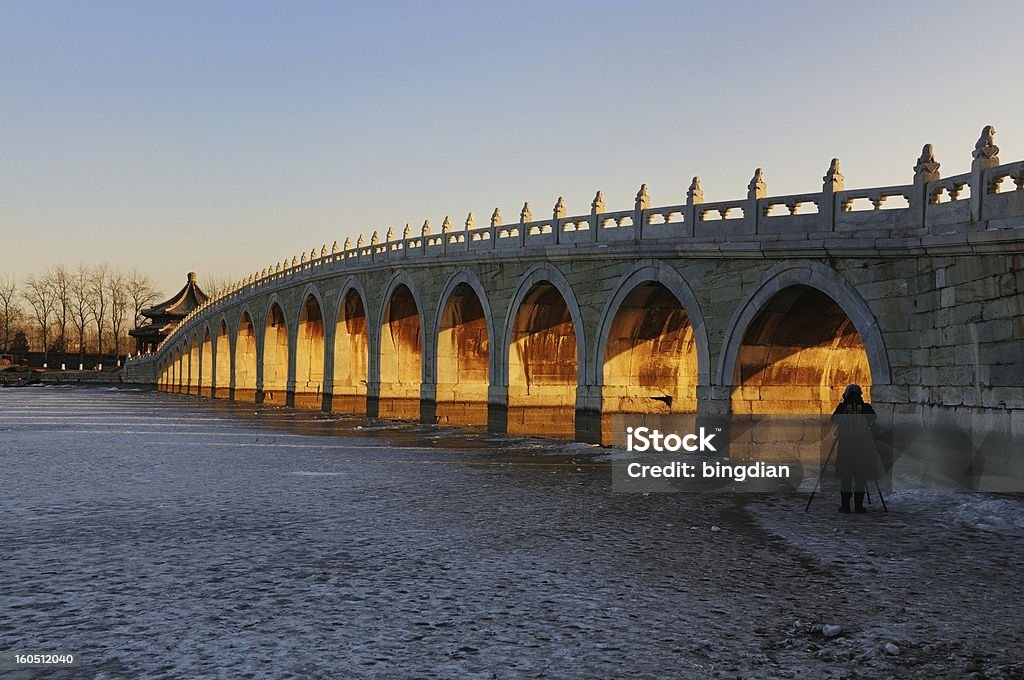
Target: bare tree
{"points": [[59, 280], [141, 292], [117, 293], [80, 306], [99, 300], [38, 293], [213, 286], [8, 308]]}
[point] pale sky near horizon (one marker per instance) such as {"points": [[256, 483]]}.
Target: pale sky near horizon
{"points": [[221, 137]]}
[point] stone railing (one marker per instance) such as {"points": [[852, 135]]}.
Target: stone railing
{"points": [[990, 196]]}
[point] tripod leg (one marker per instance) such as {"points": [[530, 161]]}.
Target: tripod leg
{"points": [[878, 487], [816, 483], [821, 473]]}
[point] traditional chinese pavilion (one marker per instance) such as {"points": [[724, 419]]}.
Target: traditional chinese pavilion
{"points": [[162, 318]]}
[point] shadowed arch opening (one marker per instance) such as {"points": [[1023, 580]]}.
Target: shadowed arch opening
{"points": [[463, 359], [245, 360], [401, 357], [542, 365], [798, 354], [206, 365], [222, 363], [650, 358], [275, 357], [351, 356], [193, 367], [309, 356]]}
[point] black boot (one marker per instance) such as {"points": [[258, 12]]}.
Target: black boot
{"points": [[858, 502], [845, 496]]}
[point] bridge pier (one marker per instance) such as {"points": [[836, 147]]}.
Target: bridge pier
{"points": [[588, 414], [373, 400], [428, 403], [714, 401], [497, 409]]}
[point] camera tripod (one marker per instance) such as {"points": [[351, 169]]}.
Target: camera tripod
{"points": [[821, 473]]}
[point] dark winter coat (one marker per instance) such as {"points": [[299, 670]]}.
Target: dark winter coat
{"points": [[855, 453]]}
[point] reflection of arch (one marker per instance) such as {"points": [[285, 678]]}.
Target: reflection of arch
{"points": [[400, 353], [351, 350], [309, 350], [543, 272], [245, 358], [826, 280], [222, 361], [656, 272], [275, 353], [544, 354], [464, 338]]}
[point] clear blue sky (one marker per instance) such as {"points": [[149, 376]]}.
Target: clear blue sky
{"points": [[221, 137]]}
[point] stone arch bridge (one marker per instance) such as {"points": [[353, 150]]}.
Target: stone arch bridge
{"points": [[766, 304]]}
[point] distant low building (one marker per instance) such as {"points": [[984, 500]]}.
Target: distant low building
{"points": [[162, 318]]}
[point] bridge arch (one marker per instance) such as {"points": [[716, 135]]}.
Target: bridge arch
{"points": [[193, 365], [177, 354], [206, 363], [349, 347], [221, 386], [464, 360], [545, 348], [797, 338], [310, 349], [275, 356], [244, 368], [400, 349], [175, 370], [652, 346]]}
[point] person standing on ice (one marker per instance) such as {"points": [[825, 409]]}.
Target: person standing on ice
{"points": [[855, 452]]}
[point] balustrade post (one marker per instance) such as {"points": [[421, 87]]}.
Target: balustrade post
{"points": [[756, 190], [986, 155], [694, 197], [557, 214], [596, 209], [640, 204], [832, 182], [926, 170]]}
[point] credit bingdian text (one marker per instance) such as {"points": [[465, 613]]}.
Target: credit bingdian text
{"points": [[643, 439]]}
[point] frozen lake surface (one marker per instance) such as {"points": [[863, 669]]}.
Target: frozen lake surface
{"points": [[163, 536]]}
